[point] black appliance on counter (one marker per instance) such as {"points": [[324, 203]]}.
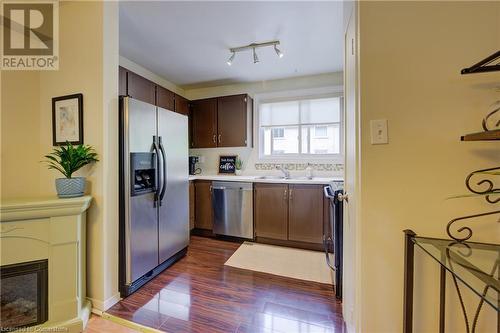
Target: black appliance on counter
{"points": [[333, 235], [192, 165]]}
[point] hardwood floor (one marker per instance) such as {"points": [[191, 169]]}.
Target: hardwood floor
{"points": [[200, 294]]}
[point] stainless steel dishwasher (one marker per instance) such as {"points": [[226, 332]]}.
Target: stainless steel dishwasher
{"points": [[233, 209]]}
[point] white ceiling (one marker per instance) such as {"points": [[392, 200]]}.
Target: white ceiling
{"points": [[187, 42]]}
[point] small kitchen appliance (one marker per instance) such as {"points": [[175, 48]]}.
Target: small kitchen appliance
{"points": [[192, 164]]}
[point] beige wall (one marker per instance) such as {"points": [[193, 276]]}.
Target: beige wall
{"points": [[88, 67], [252, 88], [20, 126], [411, 54]]}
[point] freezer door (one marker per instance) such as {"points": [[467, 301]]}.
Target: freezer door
{"points": [[140, 218], [174, 197]]}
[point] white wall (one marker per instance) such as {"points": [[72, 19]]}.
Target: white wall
{"points": [[302, 85], [411, 54]]}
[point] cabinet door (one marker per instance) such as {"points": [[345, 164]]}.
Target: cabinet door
{"points": [[232, 121], [141, 88], [204, 113], [305, 213], [203, 205], [165, 98], [192, 199], [181, 105], [271, 210], [122, 81]]}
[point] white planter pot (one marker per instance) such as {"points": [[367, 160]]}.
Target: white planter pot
{"points": [[70, 187], [237, 172]]}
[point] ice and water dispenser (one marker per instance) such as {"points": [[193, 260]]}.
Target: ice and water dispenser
{"points": [[143, 173]]}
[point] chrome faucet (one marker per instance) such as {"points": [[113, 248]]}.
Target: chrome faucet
{"points": [[286, 173]]}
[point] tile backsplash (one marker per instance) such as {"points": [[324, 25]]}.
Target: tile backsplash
{"points": [[301, 166], [209, 158]]}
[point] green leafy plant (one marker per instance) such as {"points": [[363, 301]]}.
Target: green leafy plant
{"points": [[238, 164], [68, 159]]}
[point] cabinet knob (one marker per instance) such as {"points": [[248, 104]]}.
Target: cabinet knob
{"points": [[220, 137], [290, 195], [214, 138], [284, 195]]}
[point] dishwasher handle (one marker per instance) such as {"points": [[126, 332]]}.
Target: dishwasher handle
{"points": [[222, 188]]}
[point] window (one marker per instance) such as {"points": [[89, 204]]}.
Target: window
{"points": [[300, 128], [279, 133], [321, 132]]}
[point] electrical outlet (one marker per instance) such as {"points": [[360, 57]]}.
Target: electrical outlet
{"points": [[378, 130]]}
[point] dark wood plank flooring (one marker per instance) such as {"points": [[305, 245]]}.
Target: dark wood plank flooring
{"points": [[200, 294]]}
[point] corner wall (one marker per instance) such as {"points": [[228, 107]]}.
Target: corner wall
{"points": [[88, 53], [411, 54]]}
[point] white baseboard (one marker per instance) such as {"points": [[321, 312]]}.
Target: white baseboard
{"points": [[98, 306]]}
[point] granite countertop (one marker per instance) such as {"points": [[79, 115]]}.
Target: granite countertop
{"points": [[258, 179]]}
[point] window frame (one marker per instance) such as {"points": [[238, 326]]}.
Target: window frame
{"points": [[326, 92]]}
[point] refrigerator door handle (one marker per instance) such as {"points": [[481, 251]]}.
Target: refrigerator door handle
{"points": [[164, 180], [157, 154]]}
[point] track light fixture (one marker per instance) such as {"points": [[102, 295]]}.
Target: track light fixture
{"points": [[255, 58], [231, 58], [252, 47], [278, 52]]}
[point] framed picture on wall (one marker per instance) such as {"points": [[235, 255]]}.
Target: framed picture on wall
{"points": [[67, 119]]}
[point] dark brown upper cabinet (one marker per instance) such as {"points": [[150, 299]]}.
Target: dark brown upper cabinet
{"points": [[122, 81], [165, 98], [233, 118], [141, 88], [204, 121], [181, 105], [233, 122]]}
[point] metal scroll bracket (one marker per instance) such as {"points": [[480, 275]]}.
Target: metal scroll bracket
{"points": [[466, 229]]}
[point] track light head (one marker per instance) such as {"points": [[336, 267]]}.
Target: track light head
{"points": [[278, 52], [229, 61], [255, 58]]}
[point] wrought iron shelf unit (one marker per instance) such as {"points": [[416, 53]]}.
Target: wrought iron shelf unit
{"points": [[493, 135], [488, 64], [470, 264]]}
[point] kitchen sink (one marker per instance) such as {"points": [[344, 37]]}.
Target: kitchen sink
{"points": [[271, 177]]}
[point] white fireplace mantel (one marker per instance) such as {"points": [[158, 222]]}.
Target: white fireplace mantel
{"points": [[53, 229]]}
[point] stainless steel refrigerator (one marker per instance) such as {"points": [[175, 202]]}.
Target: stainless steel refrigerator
{"points": [[154, 191]]}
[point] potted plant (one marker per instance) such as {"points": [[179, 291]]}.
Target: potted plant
{"points": [[67, 160], [238, 164]]}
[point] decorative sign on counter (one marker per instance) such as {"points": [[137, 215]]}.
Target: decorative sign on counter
{"points": [[227, 164]]}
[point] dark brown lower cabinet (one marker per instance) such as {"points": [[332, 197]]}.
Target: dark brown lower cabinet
{"points": [[203, 217], [192, 199], [271, 211], [305, 217], [289, 215]]}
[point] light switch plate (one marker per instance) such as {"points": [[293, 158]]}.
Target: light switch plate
{"points": [[378, 129]]}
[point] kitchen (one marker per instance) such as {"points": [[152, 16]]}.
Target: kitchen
{"points": [[265, 165], [223, 151]]}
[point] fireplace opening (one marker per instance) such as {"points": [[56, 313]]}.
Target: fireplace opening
{"points": [[23, 294]]}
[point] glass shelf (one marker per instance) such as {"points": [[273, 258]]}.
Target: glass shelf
{"points": [[474, 264]]}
